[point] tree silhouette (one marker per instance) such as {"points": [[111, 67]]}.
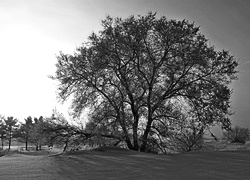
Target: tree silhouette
{"points": [[136, 72]]}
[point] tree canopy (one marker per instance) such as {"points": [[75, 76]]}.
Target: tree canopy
{"points": [[147, 78]]}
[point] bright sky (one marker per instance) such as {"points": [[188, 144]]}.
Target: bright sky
{"points": [[32, 32]]}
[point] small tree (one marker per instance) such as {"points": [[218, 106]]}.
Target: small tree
{"points": [[11, 124], [2, 130], [190, 139], [237, 134], [24, 131], [37, 134]]}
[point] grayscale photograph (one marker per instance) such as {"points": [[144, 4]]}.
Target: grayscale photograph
{"points": [[124, 89]]}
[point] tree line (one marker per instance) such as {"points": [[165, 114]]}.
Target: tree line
{"points": [[36, 132], [28, 132], [56, 130]]}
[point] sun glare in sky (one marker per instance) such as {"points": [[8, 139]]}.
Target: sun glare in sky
{"points": [[27, 58]]}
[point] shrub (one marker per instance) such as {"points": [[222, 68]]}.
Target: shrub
{"points": [[237, 134], [189, 141]]}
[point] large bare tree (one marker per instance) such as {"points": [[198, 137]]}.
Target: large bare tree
{"points": [[135, 70]]}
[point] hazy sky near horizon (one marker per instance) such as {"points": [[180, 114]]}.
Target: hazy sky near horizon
{"points": [[32, 32]]}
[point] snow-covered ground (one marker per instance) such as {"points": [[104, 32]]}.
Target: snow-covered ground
{"points": [[122, 164]]}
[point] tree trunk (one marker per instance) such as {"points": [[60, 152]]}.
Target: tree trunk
{"points": [[135, 135], [10, 138], [37, 147], [145, 135], [26, 144], [2, 142], [150, 119], [127, 139], [136, 121], [129, 144], [136, 144], [9, 143]]}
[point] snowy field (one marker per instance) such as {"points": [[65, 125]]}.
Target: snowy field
{"points": [[115, 163]]}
